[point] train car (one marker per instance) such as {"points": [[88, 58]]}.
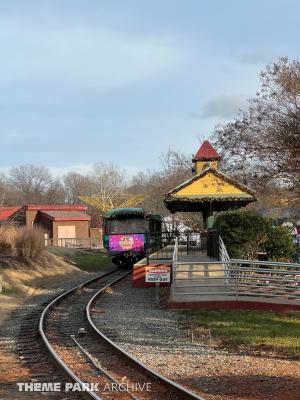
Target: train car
{"points": [[129, 233]]}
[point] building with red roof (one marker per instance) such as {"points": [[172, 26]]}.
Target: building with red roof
{"points": [[7, 213], [59, 221]]}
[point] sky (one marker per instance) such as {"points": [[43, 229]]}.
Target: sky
{"points": [[123, 81]]}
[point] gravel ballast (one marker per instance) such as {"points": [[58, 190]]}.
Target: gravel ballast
{"points": [[157, 337]]}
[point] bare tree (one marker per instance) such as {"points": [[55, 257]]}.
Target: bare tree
{"points": [[55, 192], [176, 165], [109, 181], [3, 189], [75, 185], [34, 184], [176, 168], [262, 145], [151, 184]]}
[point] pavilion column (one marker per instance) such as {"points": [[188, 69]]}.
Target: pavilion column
{"points": [[207, 216]]}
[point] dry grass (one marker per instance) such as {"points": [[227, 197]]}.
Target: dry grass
{"points": [[8, 236], [30, 242], [25, 242]]}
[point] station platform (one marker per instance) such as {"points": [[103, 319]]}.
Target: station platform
{"points": [[201, 282], [166, 254], [190, 274], [210, 286], [192, 280]]}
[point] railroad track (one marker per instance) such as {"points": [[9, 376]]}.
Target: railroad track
{"points": [[92, 361]]}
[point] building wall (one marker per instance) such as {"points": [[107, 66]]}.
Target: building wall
{"points": [[201, 165], [31, 217], [81, 228], [32, 210], [209, 184], [45, 223], [96, 234]]}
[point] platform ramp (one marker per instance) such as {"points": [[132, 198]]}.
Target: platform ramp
{"points": [[236, 280], [198, 278], [198, 281]]}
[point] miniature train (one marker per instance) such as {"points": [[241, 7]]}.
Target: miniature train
{"points": [[130, 234]]}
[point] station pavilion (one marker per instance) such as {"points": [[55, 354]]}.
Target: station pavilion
{"points": [[209, 190]]}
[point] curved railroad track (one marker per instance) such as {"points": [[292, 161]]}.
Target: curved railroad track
{"points": [[87, 357]]}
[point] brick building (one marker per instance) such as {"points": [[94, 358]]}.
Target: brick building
{"points": [[58, 221]]}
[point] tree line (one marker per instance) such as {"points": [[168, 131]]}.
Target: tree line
{"points": [[30, 184]]}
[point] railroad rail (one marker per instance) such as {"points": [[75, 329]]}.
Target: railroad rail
{"points": [[90, 359]]}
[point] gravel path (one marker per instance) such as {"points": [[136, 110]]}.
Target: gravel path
{"points": [[128, 316]]}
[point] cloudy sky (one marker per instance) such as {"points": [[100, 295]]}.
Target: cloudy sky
{"points": [[124, 80]]}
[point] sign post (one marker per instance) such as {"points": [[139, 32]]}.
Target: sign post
{"points": [[157, 274], [157, 287]]}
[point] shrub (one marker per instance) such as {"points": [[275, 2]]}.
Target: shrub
{"points": [[5, 248], [30, 242], [246, 233], [7, 240], [279, 245]]}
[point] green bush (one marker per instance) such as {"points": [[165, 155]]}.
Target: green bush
{"points": [[245, 233], [279, 245]]}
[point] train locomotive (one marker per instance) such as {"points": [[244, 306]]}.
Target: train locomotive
{"points": [[129, 233]]}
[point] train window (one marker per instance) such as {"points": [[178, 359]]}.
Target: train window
{"points": [[124, 225]]}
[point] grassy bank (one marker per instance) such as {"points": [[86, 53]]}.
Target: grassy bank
{"points": [[252, 330], [85, 260], [10, 292]]}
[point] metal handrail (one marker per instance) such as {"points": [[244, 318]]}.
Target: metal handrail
{"points": [[241, 278], [224, 256], [175, 253], [174, 264], [275, 263], [236, 261]]}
